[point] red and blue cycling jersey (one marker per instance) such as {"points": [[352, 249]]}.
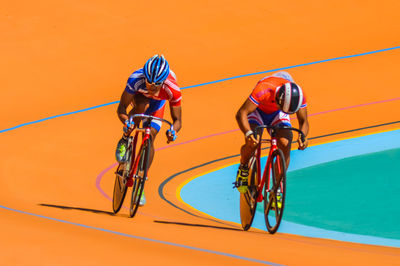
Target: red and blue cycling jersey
{"points": [[169, 91]]}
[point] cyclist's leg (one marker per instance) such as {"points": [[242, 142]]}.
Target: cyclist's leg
{"points": [[145, 105], [139, 103], [247, 150], [284, 140], [284, 137], [156, 108]]}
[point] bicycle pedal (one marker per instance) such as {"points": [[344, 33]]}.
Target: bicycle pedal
{"points": [[237, 184], [119, 174]]}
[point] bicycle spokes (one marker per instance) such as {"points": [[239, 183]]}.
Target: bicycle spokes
{"points": [[274, 192], [140, 177], [248, 200], [120, 187]]}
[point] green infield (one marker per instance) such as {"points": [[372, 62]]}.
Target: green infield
{"points": [[358, 195]]}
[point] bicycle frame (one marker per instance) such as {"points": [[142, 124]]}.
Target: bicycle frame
{"points": [[135, 169], [261, 181], [146, 130], [273, 147]]}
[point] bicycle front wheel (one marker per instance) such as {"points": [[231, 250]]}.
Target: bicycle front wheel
{"points": [[248, 200], [119, 187], [275, 191], [140, 177]]}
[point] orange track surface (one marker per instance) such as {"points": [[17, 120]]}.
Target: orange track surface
{"points": [[62, 56]]}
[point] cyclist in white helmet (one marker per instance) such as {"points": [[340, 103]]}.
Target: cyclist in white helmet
{"points": [[147, 91], [270, 103]]}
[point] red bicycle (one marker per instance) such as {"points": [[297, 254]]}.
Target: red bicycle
{"points": [[272, 183], [133, 173]]}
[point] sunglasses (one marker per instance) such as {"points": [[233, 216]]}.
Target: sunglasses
{"points": [[157, 84]]}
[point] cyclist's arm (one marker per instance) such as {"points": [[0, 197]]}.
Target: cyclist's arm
{"points": [[176, 115], [241, 116], [302, 117], [126, 99]]}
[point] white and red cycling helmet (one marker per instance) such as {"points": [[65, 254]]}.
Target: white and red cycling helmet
{"points": [[289, 97]]}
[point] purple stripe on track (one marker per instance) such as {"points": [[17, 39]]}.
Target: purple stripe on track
{"points": [[98, 181], [193, 140], [100, 176], [355, 106]]}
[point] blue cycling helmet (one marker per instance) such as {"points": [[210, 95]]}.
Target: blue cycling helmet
{"points": [[156, 69]]}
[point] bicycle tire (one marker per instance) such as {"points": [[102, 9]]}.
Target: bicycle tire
{"points": [[140, 177], [120, 187], [273, 215], [121, 181], [248, 200]]}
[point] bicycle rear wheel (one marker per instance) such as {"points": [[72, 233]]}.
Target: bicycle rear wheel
{"points": [[274, 193], [140, 177], [248, 200]]}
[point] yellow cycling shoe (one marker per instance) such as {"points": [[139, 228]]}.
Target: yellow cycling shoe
{"points": [[142, 201], [120, 153], [279, 199], [242, 179]]}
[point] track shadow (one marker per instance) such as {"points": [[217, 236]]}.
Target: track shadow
{"points": [[78, 209], [198, 225]]}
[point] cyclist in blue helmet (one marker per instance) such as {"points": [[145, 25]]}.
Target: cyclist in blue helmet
{"points": [[147, 91], [156, 69]]}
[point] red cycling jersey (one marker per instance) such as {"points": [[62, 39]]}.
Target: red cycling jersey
{"points": [[263, 95]]}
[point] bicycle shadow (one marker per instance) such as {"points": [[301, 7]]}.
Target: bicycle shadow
{"points": [[78, 209], [228, 227], [198, 225]]}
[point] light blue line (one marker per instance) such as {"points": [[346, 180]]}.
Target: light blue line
{"points": [[144, 238], [211, 82], [294, 66], [55, 116]]}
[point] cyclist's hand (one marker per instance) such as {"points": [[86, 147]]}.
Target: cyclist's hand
{"points": [[302, 145], [171, 135], [251, 140], [128, 127]]}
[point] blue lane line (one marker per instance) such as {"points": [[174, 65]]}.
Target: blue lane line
{"points": [[144, 238], [294, 66], [55, 116], [211, 82]]}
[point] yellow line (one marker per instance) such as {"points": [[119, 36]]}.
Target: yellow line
{"points": [[179, 188]]}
